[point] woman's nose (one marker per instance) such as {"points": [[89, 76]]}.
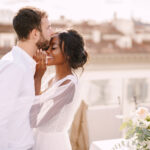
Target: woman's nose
{"points": [[48, 51]]}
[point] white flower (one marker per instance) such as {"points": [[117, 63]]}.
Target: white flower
{"points": [[142, 113], [139, 121], [147, 124]]}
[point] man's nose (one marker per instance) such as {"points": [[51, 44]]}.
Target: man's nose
{"points": [[51, 32]]}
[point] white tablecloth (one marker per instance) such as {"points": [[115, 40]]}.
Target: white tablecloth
{"points": [[105, 144]]}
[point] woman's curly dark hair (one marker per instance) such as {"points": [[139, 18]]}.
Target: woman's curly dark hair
{"points": [[72, 45]]}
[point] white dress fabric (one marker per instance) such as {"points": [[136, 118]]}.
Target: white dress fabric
{"points": [[55, 108]]}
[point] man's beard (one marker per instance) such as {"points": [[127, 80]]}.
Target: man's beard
{"points": [[43, 43]]}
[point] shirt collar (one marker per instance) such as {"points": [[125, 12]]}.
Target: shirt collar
{"points": [[27, 58]]}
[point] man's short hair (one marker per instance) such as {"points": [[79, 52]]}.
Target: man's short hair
{"points": [[27, 19]]}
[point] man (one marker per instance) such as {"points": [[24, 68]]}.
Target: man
{"points": [[17, 70]]}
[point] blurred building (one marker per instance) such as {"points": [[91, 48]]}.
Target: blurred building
{"points": [[7, 38], [116, 45], [116, 36]]}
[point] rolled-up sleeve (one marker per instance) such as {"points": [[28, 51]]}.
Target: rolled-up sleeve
{"points": [[11, 77]]}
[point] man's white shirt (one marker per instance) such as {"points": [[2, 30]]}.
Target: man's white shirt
{"points": [[17, 93]]}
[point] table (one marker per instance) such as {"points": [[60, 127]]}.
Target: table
{"points": [[106, 144]]}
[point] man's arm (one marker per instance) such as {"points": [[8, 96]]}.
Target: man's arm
{"points": [[10, 82]]}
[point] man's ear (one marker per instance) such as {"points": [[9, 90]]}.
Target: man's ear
{"points": [[35, 34]]}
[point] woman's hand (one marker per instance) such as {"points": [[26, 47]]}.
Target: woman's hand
{"points": [[40, 58]]}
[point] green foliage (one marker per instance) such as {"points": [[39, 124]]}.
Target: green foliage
{"points": [[137, 134]]}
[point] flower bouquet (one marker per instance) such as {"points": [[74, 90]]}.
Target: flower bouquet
{"points": [[137, 130]]}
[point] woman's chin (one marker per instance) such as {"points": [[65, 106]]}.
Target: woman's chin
{"points": [[49, 64]]}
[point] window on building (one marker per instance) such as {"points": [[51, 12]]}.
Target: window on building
{"points": [[137, 89], [98, 92]]}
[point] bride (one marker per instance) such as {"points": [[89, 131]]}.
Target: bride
{"points": [[53, 111]]}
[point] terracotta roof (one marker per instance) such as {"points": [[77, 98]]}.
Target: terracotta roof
{"points": [[108, 28], [6, 28]]}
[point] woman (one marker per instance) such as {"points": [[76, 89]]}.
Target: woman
{"points": [[53, 112]]}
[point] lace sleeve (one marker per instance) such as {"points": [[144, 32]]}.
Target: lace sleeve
{"points": [[51, 103], [60, 101]]}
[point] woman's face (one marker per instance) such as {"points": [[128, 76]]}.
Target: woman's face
{"points": [[54, 53]]}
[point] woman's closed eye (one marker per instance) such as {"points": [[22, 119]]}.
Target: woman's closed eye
{"points": [[53, 48]]}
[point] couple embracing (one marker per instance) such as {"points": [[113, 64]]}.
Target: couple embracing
{"points": [[36, 116]]}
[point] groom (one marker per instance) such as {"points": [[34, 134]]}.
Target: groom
{"points": [[17, 70]]}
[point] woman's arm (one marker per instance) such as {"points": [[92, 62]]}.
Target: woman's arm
{"points": [[60, 100], [37, 83], [40, 58]]}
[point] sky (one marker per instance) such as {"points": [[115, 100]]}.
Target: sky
{"points": [[98, 10]]}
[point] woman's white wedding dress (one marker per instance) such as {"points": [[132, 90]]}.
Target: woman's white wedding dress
{"points": [[56, 107]]}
